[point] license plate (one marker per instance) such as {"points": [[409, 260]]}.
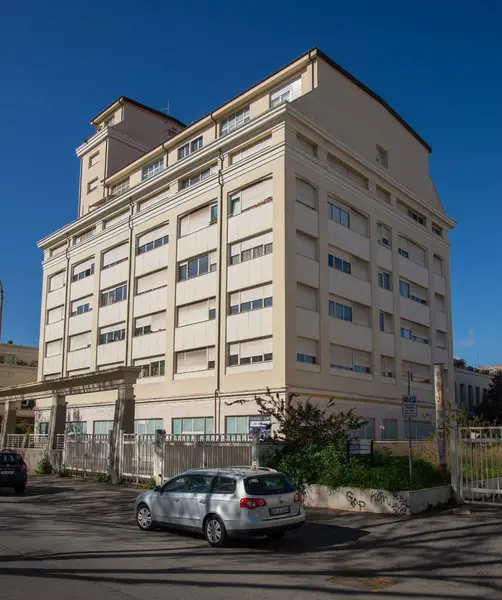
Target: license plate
{"points": [[280, 510], [7, 472]]}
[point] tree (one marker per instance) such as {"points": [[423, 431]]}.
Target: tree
{"points": [[491, 404], [301, 423]]}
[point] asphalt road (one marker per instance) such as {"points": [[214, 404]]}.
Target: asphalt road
{"points": [[68, 539]]}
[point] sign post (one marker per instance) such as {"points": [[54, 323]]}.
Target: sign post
{"points": [[260, 429], [409, 411]]}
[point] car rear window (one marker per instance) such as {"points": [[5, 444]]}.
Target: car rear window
{"points": [[224, 485], [267, 485], [10, 459]]}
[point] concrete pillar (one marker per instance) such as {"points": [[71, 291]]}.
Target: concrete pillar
{"points": [[123, 422], [57, 420], [8, 422]]}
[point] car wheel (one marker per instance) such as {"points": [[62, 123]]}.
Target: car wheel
{"points": [[276, 535], [144, 518], [214, 531], [20, 489]]}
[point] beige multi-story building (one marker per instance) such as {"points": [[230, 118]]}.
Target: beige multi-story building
{"points": [[291, 239]]}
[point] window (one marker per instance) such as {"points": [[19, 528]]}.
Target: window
{"points": [[306, 245], [306, 193], [156, 238], [197, 312], [340, 311], [478, 396], [82, 271], [462, 393], [93, 159], [412, 251], [150, 323], [419, 373], [382, 157], [213, 213], [412, 291], [383, 279], [306, 146], [249, 352], [348, 359], [306, 351], [440, 302], [118, 218], [437, 229], [79, 341], [381, 321], [110, 122], [306, 358], [120, 188], [115, 256], [251, 149], [383, 235], [152, 169], [54, 315], [51, 349], [194, 179], [251, 249], [406, 333], [250, 197], [43, 428], [441, 339], [438, 265], [190, 147], [151, 281], [338, 215], [154, 368], [118, 294], [365, 432], [338, 263], [420, 430], [193, 426], [92, 185], [235, 120], [57, 281], [148, 426], [387, 366], [224, 485], [307, 297], [195, 360], [85, 235], [286, 93], [250, 299], [76, 427], [403, 252], [10, 359], [237, 425], [102, 427], [383, 194], [195, 267], [344, 169], [389, 429], [416, 217], [109, 335]]}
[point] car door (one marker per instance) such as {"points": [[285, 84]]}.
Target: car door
{"points": [[194, 501], [167, 503]]}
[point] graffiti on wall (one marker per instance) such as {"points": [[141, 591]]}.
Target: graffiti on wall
{"points": [[396, 502]]}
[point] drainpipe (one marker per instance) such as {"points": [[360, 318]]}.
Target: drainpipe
{"points": [[219, 310], [215, 127], [65, 312], [129, 282]]}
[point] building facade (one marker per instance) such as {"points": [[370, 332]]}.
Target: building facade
{"points": [[290, 240], [18, 365], [470, 384]]}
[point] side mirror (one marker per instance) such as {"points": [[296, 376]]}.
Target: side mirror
{"points": [[157, 488]]}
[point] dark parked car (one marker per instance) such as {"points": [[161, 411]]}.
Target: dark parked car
{"points": [[13, 472]]}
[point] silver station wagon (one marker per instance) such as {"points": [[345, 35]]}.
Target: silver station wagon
{"points": [[223, 503]]}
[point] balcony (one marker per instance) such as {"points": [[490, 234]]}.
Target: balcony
{"points": [[346, 333], [307, 271], [148, 303], [196, 335], [250, 222], [151, 344], [198, 242], [414, 311], [82, 287], [152, 261], [249, 273], [307, 323], [111, 353], [54, 331], [79, 359], [249, 325], [413, 271], [348, 286], [114, 275], [348, 240], [80, 323], [306, 219], [197, 288]]}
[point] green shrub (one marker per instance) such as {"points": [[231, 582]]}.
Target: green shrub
{"points": [[149, 484], [102, 479], [331, 466], [64, 472], [44, 466]]}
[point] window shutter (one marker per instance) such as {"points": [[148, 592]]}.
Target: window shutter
{"points": [[306, 193], [195, 360], [416, 253], [55, 314], [306, 146], [234, 299], [145, 283], [159, 278], [143, 321], [251, 294], [306, 245], [306, 297], [111, 328], [437, 265], [306, 346], [195, 313], [194, 221], [117, 219], [158, 321], [403, 243], [359, 223], [53, 348], [211, 353], [115, 254], [155, 234], [338, 165], [253, 149], [83, 266], [256, 193], [362, 358], [82, 340], [341, 356], [266, 345]]}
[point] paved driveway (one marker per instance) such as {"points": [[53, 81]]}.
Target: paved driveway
{"points": [[70, 539]]}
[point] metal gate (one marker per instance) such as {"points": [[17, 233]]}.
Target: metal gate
{"points": [[479, 462], [86, 454]]}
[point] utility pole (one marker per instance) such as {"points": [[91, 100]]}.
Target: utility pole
{"points": [[440, 415]]}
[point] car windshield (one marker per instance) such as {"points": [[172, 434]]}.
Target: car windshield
{"points": [[10, 459], [267, 485]]}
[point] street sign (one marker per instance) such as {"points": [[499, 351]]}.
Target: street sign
{"points": [[261, 423], [409, 406]]}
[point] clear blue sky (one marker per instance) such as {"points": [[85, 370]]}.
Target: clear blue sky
{"points": [[437, 63]]}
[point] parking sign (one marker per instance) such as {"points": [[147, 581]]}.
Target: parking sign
{"points": [[409, 406]]}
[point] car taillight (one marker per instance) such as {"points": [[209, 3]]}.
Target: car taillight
{"points": [[252, 503], [298, 497]]}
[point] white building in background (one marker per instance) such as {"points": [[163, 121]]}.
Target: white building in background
{"points": [[470, 384], [290, 239]]}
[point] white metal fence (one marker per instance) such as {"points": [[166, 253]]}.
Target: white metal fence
{"points": [[479, 464], [86, 454]]}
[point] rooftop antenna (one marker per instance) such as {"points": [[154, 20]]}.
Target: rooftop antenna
{"points": [[167, 109]]}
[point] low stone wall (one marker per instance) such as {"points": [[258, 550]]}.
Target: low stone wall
{"points": [[32, 456], [376, 501]]}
